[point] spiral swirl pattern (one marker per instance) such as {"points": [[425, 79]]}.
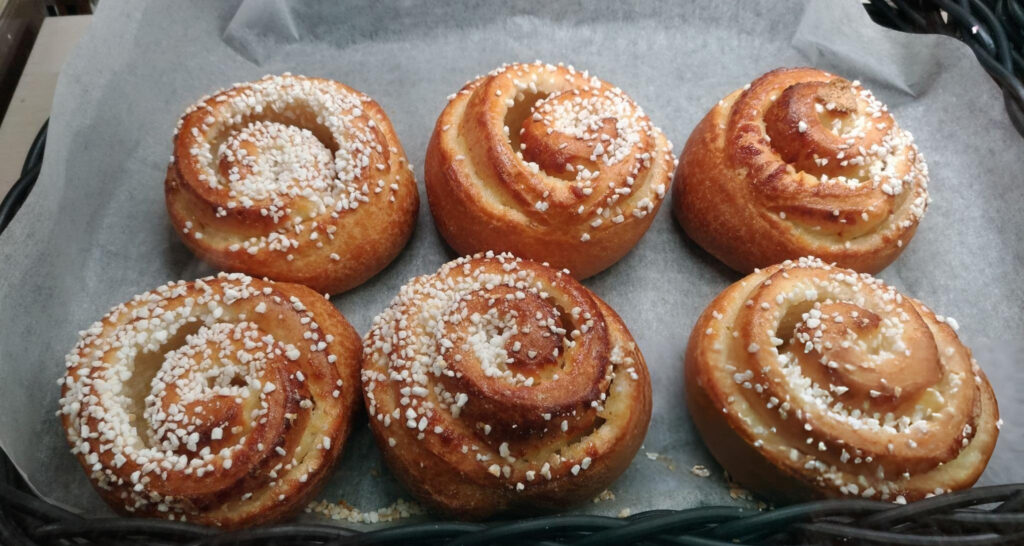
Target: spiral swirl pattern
{"points": [[221, 401], [801, 162], [841, 384], [293, 178], [499, 384], [559, 165]]}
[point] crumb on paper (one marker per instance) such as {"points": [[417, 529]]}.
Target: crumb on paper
{"points": [[735, 490], [625, 512], [605, 495], [344, 511], [739, 493], [663, 459], [700, 471]]}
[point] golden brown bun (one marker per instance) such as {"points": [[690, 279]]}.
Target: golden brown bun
{"points": [[500, 385], [807, 380], [547, 163], [223, 401], [800, 162], [296, 179]]}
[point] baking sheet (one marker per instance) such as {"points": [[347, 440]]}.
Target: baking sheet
{"points": [[94, 232]]}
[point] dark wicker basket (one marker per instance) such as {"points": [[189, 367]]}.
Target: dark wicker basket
{"points": [[994, 30]]}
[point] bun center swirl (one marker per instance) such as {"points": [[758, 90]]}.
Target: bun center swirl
{"points": [[825, 155], [565, 145], [269, 166], [864, 355], [522, 359], [575, 134], [281, 141], [514, 355], [226, 391]]}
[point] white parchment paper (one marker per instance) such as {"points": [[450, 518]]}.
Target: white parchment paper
{"points": [[94, 232]]}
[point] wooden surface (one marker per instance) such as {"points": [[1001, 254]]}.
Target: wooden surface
{"points": [[33, 97], [19, 24]]}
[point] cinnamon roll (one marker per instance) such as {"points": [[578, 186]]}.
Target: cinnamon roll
{"points": [[498, 384], [222, 401], [801, 162], [548, 163], [296, 179], [808, 380]]}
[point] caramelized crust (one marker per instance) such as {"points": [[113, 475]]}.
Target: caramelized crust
{"points": [[222, 401], [808, 380], [500, 385], [547, 163], [292, 178], [801, 162]]}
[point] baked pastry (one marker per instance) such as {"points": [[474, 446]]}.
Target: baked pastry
{"points": [[808, 380], [296, 179], [223, 401], [498, 385], [801, 162], [548, 163]]}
